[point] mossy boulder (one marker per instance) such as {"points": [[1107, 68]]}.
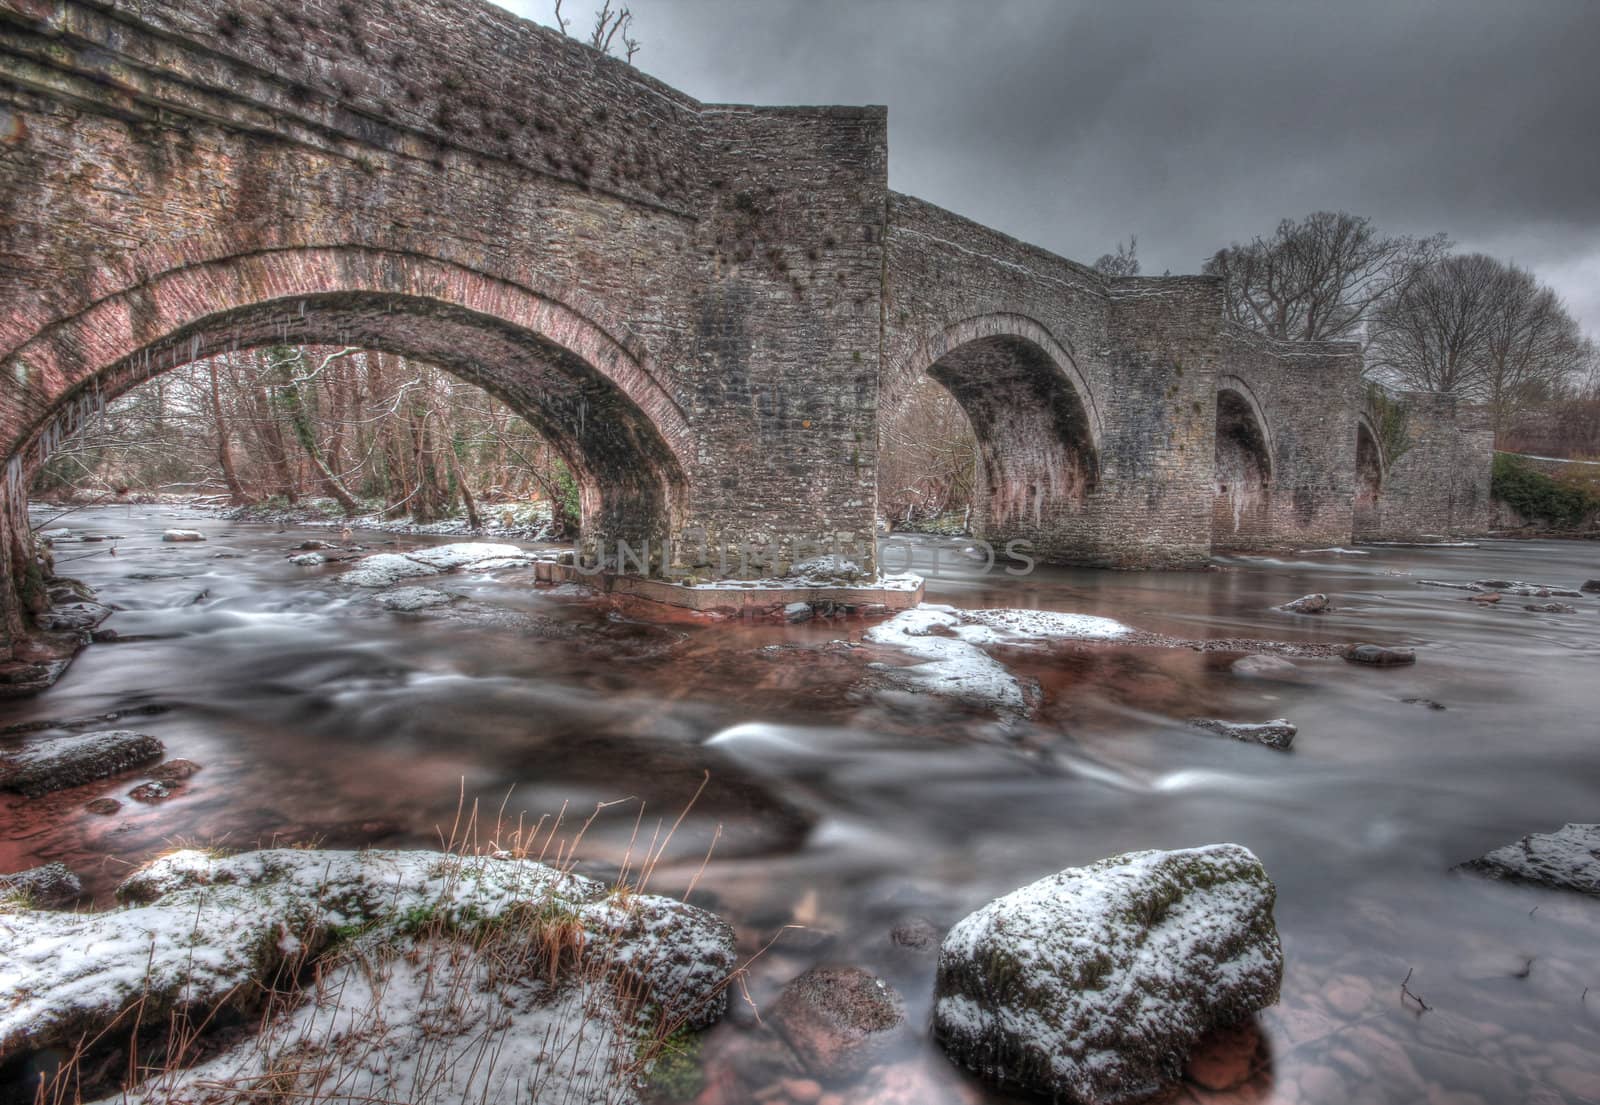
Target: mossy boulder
{"points": [[1092, 985]]}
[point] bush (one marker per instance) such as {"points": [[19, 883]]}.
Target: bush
{"points": [[1563, 503]]}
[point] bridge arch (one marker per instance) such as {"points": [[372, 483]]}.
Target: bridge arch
{"points": [[1242, 502], [1036, 421], [1372, 469], [595, 400]]}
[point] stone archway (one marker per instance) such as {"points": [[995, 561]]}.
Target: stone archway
{"points": [[1034, 418], [622, 435], [1242, 498]]}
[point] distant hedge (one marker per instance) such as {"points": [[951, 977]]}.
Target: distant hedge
{"points": [[1534, 494]]}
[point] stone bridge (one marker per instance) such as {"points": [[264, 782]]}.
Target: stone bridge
{"points": [[708, 309]]}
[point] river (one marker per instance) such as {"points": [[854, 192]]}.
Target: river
{"points": [[836, 802]]}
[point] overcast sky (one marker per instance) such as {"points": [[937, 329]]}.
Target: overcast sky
{"points": [[1075, 123]]}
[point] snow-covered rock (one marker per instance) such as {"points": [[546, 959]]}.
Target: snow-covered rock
{"points": [[411, 598], [1274, 734], [1308, 604], [1092, 985], [387, 569], [308, 560], [434, 953], [947, 641], [60, 762], [178, 535], [51, 885], [1567, 859]]}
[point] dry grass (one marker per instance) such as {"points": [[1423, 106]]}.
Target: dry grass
{"points": [[425, 1007]]}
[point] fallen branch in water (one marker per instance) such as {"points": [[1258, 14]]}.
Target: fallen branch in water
{"points": [[1405, 992]]}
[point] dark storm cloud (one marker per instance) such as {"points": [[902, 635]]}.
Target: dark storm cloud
{"points": [[1193, 124]]}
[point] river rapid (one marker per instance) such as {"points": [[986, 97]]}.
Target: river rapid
{"points": [[831, 799]]}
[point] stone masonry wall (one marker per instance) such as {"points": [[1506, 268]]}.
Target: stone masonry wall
{"points": [[1307, 395], [633, 271], [1135, 355], [1439, 485]]}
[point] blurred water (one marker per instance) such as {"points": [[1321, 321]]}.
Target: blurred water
{"points": [[842, 803]]}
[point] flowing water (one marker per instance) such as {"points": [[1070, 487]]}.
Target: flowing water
{"points": [[841, 804]]}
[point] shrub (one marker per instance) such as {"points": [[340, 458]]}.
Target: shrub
{"points": [[1562, 503]]}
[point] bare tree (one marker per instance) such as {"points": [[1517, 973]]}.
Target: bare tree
{"points": [[1476, 327], [1320, 278], [1124, 262], [1533, 348], [612, 28]]}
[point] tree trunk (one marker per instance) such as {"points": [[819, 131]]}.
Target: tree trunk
{"points": [[292, 404], [230, 475]]}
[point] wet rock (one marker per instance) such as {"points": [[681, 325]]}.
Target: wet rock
{"points": [[1485, 600], [1227, 1058], [173, 771], [48, 886], [315, 546], [411, 598], [1380, 655], [73, 617], [1428, 702], [62, 762], [1591, 587], [152, 793], [1308, 604], [917, 934], [104, 636], [104, 807], [1264, 666], [180, 535], [1568, 859], [1549, 608], [1095, 984], [64, 591], [797, 612], [308, 560], [1274, 734], [839, 1020]]}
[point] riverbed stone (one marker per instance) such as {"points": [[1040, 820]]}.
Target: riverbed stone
{"points": [[1094, 984], [1380, 656], [61, 762], [411, 599], [1549, 608], [839, 1020], [1309, 604], [1264, 666], [1591, 587], [797, 612], [173, 771], [1227, 1057], [51, 885], [1278, 733], [1567, 859], [182, 535]]}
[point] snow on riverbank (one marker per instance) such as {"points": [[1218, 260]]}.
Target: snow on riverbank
{"points": [[420, 984]]}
